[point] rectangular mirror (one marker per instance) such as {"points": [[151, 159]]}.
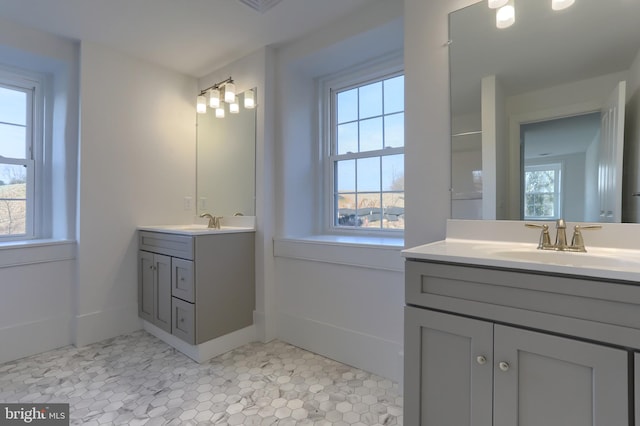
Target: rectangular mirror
{"points": [[545, 113], [225, 162]]}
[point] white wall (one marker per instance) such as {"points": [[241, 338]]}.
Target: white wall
{"points": [[137, 163], [256, 70], [36, 282], [328, 303]]}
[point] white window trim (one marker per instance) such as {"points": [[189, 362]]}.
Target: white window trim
{"points": [[27, 80], [382, 68]]}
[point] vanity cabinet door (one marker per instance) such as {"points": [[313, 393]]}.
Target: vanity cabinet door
{"points": [[182, 284], [448, 370], [540, 379], [154, 289]]}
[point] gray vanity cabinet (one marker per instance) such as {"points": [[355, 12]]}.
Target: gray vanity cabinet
{"points": [[637, 387], [154, 289], [197, 287], [469, 367]]}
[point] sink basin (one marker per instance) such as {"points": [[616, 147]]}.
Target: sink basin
{"points": [[585, 260]]}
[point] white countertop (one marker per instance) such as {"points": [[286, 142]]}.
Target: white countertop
{"points": [[598, 262], [229, 225]]}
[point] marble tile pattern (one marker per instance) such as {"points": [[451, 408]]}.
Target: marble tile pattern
{"points": [[137, 379]]}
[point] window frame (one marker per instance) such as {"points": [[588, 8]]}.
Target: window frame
{"points": [[328, 88], [558, 167], [32, 84]]}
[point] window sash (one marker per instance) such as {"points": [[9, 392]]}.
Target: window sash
{"points": [[556, 168], [331, 91]]}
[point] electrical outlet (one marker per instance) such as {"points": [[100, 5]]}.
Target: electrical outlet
{"points": [[188, 201], [202, 203]]}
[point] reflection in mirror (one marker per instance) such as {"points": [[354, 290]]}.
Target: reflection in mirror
{"points": [[225, 163], [542, 112]]}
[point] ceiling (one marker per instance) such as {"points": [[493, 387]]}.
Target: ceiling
{"points": [[194, 37]]}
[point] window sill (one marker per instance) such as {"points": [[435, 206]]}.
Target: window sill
{"points": [[29, 252], [366, 252]]}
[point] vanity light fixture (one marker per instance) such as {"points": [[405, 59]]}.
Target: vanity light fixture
{"points": [[506, 15], [234, 107], [561, 4], [249, 99], [229, 92], [497, 4], [201, 104], [219, 94], [214, 98]]}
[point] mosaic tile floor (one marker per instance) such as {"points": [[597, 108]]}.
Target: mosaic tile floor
{"points": [[137, 379]]}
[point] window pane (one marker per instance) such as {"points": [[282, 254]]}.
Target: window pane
{"points": [[539, 205], [371, 100], [13, 106], [394, 95], [12, 141], [347, 105], [371, 134], [347, 138], [13, 199], [368, 174], [369, 211], [393, 172], [393, 210], [540, 181], [394, 130], [347, 214], [345, 176]]}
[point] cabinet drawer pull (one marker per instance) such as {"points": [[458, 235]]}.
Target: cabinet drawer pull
{"points": [[504, 366], [481, 359]]}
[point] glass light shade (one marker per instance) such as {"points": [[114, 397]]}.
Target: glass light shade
{"points": [[201, 105], [561, 4], [214, 98], [506, 16], [229, 92], [234, 107], [496, 4], [220, 112], [249, 99]]}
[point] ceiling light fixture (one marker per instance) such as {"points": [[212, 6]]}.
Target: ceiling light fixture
{"points": [[229, 91], [214, 98], [249, 99], [234, 107]]}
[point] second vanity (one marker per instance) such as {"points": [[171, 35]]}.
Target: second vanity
{"points": [[196, 285], [498, 333]]}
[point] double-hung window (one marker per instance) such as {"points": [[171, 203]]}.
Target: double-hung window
{"points": [[365, 151], [17, 150], [543, 191]]}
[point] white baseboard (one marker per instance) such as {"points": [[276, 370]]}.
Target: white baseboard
{"points": [[207, 350], [97, 326], [363, 351], [21, 340]]}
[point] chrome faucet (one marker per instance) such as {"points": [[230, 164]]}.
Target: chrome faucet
{"points": [[214, 221], [577, 242]]}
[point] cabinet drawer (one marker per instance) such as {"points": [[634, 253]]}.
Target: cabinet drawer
{"points": [[183, 320], [169, 244], [182, 283]]}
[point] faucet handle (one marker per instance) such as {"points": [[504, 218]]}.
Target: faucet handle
{"points": [[577, 241], [545, 238]]}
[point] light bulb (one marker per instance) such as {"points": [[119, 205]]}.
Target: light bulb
{"points": [[220, 112], [214, 98], [496, 4], [234, 107], [506, 15], [229, 92], [249, 99], [561, 4], [201, 105]]}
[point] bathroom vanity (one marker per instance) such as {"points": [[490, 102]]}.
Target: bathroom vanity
{"points": [[195, 283], [498, 333]]}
